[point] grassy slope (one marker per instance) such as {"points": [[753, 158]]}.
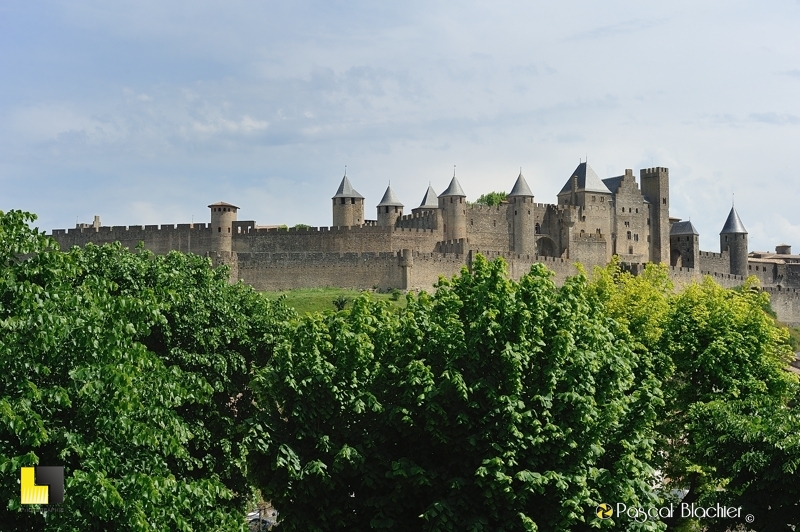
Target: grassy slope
{"points": [[320, 299]]}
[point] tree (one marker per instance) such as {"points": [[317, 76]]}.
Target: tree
{"points": [[490, 405], [492, 199], [728, 431], [130, 370]]}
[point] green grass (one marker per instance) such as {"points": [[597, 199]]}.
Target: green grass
{"points": [[320, 299]]}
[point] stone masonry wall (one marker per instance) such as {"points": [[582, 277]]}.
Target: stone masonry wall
{"points": [[489, 227], [786, 304], [368, 239], [713, 262], [286, 271], [186, 238]]}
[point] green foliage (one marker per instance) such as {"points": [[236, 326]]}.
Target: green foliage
{"points": [[730, 405], [396, 294], [340, 302], [302, 226], [131, 371], [492, 198], [305, 300], [491, 405]]}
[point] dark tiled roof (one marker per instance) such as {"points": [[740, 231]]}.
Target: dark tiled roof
{"points": [[682, 228], [612, 183], [346, 190], [587, 181], [453, 190], [733, 225], [521, 188], [389, 199], [429, 201]]}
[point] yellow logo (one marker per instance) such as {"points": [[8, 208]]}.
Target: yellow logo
{"points": [[50, 487], [604, 511]]}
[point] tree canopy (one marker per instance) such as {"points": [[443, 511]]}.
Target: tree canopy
{"points": [[131, 371], [169, 395], [492, 198]]}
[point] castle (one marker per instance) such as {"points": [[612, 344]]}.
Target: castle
{"points": [[592, 220]]}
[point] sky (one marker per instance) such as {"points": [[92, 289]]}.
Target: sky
{"points": [[144, 112]]}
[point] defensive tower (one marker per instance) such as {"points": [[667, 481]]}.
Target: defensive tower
{"points": [[389, 209], [733, 238], [348, 205], [521, 211], [452, 202], [655, 189], [684, 242], [222, 217]]}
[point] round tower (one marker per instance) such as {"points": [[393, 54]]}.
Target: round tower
{"points": [[521, 213], [389, 209], [453, 205], [222, 217], [348, 205], [733, 239]]}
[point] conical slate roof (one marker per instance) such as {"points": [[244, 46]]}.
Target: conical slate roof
{"points": [[453, 190], [587, 181], [429, 200], [346, 190], [683, 228], [389, 199], [733, 224], [521, 188]]}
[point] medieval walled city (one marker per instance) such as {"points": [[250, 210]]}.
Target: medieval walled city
{"points": [[592, 220]]}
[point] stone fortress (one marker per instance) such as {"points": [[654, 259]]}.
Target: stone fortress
{"points": [[593, 220]]}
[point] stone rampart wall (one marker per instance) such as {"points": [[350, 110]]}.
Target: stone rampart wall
{"points": [[368, 239], [713, 262], [489, 227], [786, 304], [589, 249], [187, 238], [425, 219], [286, 271]]}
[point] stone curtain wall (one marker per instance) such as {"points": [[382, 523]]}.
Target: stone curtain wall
{"points": [[786, 304], [286, 271], [489, 227], [187, 238], [369, 239], [713, 262]]}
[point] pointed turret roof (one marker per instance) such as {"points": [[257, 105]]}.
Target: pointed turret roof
{"points": [[454, 189], [389, 199], [521, 188], [683, 228], [429, 199], [733, 225], [587, 181], [346, 190]]}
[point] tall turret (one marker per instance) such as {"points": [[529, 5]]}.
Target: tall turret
{"points": [[452, 202], [348, 205], [389, 209], [523, 222], [222, 217], [733, 238], [655, 189]]}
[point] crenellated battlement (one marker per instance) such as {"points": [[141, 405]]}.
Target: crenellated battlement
{"points": [[199, 227], [711, 255]]}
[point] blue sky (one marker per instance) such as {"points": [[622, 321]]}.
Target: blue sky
{"points": [[145, 112]]}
